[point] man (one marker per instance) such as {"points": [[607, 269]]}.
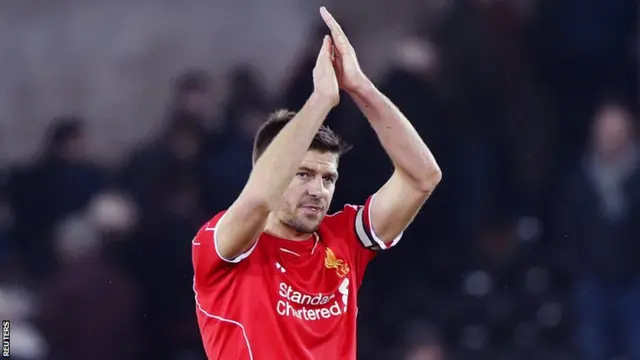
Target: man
{"points": [[599, 232], [275, 278]]}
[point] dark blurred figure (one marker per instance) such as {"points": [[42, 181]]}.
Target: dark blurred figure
{"points": [[425, 352], [89, 307], [6, 223], [193, 97], [423, 343], [183, 138], [600, 227], [245, 88], [181, 141], [473, 85], [583, 48], [167, 177], [229, 163], [162, 263], [61, 182]]}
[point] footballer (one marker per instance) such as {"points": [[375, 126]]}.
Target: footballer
{"points": [[276, 277]]}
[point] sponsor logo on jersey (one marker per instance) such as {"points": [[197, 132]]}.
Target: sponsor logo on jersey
{"points": [[332, 262], [312, 307]]}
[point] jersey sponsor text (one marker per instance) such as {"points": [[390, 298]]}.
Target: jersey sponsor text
{"points": [[311, 307]]}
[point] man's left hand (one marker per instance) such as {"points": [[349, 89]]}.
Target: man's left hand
{"points": [[350, 76]]}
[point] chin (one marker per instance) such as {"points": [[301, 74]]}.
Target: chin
{"points": [[306, 227]]}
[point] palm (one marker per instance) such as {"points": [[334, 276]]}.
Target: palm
{"points": [[324, 75], [347, 71]]}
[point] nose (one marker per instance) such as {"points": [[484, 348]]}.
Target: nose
{"points": [[316, 188]]}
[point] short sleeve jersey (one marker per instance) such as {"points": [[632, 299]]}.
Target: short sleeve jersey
{"points": [[283, 299]]}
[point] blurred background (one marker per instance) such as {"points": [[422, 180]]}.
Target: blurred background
{"points": [[124, 125]]}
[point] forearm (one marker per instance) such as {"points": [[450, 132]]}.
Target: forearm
{"points": [[277, 166], [408, 152]]}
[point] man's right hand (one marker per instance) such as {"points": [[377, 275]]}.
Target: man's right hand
{"points": [[324, 76]]}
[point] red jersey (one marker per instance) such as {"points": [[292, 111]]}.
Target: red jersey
{"points": [[283, 299]]}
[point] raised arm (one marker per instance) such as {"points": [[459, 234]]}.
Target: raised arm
{"points": [[243, 222], [416, 172]]}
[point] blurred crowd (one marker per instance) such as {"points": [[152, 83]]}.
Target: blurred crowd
{"points": [[529, 248]]}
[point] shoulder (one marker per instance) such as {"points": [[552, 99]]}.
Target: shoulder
{"points": [[205, 236], [341, 217], [213, 222], [210, 267], [343, 223]]}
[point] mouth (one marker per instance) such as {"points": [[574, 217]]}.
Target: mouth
{"points": [[313, 209]]}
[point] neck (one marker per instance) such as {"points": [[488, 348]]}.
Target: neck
{"points": [[617, 156], [279, 229]]}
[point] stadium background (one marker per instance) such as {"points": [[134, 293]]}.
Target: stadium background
{"points": [[126, 124]]}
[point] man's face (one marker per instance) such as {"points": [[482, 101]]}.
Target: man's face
{"points": [[307, 199], [198, 102], [426, 353], [612, 131], [74, 149]]}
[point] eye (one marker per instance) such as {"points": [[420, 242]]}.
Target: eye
{"points": [[303, 175], [329, 179]]}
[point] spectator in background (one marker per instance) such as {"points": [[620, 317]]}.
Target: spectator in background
{"points": [[423, 343], [472, 81], [426, 352], [89, 306], [184, 138], [245, 88], [229, 164], [167, 178], [583, 48], [182, 141], [61, 182], [193, 97], [600, 227], [162, 263], [6, 220]]}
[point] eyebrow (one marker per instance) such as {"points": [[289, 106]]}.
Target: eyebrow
{"points": [[310, 170]]}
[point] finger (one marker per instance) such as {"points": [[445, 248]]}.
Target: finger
{"points": [[336, 55], [325, 49], [331, 22], [337, 33]]}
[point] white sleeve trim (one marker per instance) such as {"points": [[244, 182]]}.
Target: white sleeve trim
{"points": [[236, 259], [368, 237]]}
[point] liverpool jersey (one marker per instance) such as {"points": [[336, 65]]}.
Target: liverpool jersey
{"points": [[284, 299]]}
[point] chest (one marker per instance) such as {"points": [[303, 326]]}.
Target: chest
{"points": [[305, 289], [591, 194]]}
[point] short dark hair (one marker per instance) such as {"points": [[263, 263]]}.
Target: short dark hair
{"points": [[63, 129], [325, 139], [192, 80]]}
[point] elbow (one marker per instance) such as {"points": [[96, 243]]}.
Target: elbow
{"points": [[429, 179]]}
